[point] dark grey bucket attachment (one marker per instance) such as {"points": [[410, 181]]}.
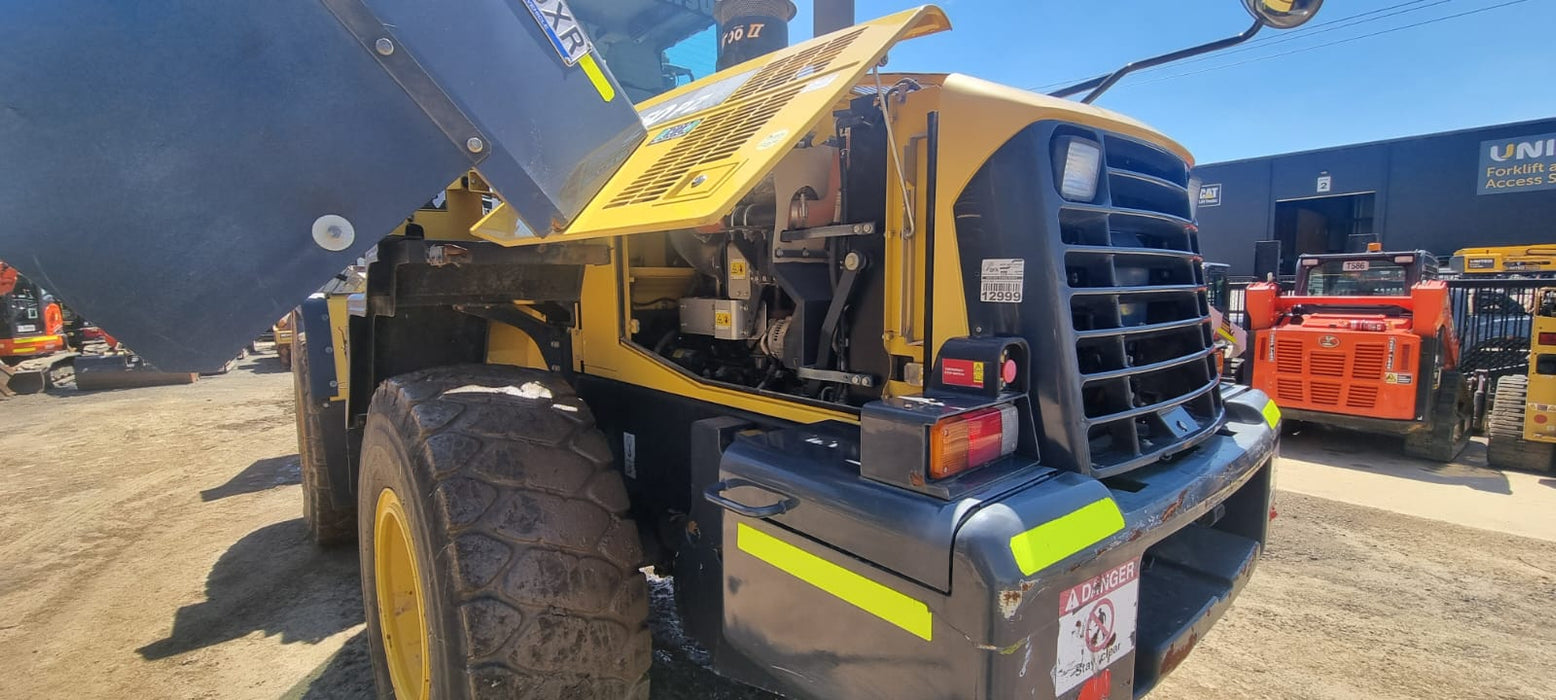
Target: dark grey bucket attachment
{"points": [[185, 173]]}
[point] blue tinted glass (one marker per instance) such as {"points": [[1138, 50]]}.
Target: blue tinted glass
{"points": [[693, 58]]}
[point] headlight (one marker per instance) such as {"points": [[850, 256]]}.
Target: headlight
{"points": [[1082, 164]]}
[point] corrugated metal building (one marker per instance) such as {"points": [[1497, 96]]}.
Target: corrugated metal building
{"points": [[1440, 192]]}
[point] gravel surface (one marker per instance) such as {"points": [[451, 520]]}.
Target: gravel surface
{"points": [[151, 546]]}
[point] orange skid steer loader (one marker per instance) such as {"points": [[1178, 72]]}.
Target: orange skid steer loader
{"points": [[1365, 341]]}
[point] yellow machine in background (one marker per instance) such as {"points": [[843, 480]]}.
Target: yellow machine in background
{"points": [[1505, 260], [1521, 428]]}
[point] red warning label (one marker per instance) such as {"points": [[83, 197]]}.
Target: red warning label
{"points": [[1096, 628], [966, 373]]}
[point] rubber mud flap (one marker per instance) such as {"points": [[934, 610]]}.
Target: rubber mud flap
{"points": [[183, 174]]}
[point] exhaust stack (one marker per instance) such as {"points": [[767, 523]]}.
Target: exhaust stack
{"points": [[751, 28]]}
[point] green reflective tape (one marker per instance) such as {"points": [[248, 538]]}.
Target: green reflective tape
{"points": [[1044, 545], [1271, 414], [867, 595]]}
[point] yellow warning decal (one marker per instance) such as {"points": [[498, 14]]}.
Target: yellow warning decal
{"points": [[1047, 544], [1271, 414], [867, 595]]}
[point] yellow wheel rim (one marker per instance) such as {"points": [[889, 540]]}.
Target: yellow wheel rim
{"points": [[401, 608]]}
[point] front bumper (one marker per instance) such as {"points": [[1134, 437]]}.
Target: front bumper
{"points": [[1193, 530], [827, 601]]}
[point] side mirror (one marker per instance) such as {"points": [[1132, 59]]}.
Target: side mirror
{"points": [[1283, 14]]}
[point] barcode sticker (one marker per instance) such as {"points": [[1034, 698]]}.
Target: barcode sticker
{"points": [[1002, 280]]}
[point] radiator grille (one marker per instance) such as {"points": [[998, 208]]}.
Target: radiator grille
{"points": [[812, 61], [1368, 363], [1137, 303], [1288, 356], [1324, 393], [719, 135], [1362, 397], [1326, 364]]}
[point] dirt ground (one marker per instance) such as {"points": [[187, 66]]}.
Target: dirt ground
{"points": [[150, 546]]}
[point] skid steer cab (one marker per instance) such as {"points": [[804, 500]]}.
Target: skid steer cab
{"points": [[1365, 341], [907, 379]]}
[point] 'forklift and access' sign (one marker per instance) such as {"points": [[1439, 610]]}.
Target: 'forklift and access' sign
{"points": [[1518, 165]]}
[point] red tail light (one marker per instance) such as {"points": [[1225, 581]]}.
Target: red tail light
{"points": [[972, 440], [1547, 338]]}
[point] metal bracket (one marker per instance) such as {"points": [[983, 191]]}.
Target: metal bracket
{"points": [[853, 264], [550, 335], [805, 234], [379, 42], [836, 377]]}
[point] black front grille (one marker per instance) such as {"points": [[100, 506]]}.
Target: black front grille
{"points": [[1136, 293], [1114, 307]]}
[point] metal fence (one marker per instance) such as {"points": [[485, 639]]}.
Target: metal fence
{"points": [[1492, 318]]}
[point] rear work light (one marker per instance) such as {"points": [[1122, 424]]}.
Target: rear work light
{"points": [[971, 440], [1375, 326], [1547, 338]]}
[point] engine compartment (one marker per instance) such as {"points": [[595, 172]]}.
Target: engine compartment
{"points": [[786, 293]]}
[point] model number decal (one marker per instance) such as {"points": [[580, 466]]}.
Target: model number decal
{"points": [[1001, 280], [561, 27]]}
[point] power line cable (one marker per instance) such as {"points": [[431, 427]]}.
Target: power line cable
{"points": [[1275, 39], [1304, 49]]}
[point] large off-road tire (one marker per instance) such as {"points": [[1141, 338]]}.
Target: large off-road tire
{"points": [[328, 523], [490, 504], [1506, 447], [1449, 422]]}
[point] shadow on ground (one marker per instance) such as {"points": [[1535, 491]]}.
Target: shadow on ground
{"points": [[274, 581], [262, 475], [348, 674], [1384, 454], [266, 364]]}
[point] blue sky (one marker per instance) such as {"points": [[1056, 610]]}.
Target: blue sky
{"points": [[1489, 67]]}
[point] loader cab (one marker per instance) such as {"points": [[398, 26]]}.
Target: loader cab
{"points": [[1373, 274]]}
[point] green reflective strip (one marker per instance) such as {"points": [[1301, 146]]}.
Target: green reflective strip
{"points": [[862, 593], [1044, 545], [1271, 414], [597, 77]]}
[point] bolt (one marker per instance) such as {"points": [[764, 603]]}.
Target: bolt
{"points": [[475, 144], [334, 384], [384, 46], [329, 349]]}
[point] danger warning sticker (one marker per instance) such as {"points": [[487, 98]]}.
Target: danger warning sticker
{"points": [[955, 372], [1096, 625]]}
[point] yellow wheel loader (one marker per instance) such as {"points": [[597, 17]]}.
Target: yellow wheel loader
{"points": [[908, 379]]}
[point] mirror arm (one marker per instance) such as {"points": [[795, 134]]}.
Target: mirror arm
{"points": [[1101, 84]]}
